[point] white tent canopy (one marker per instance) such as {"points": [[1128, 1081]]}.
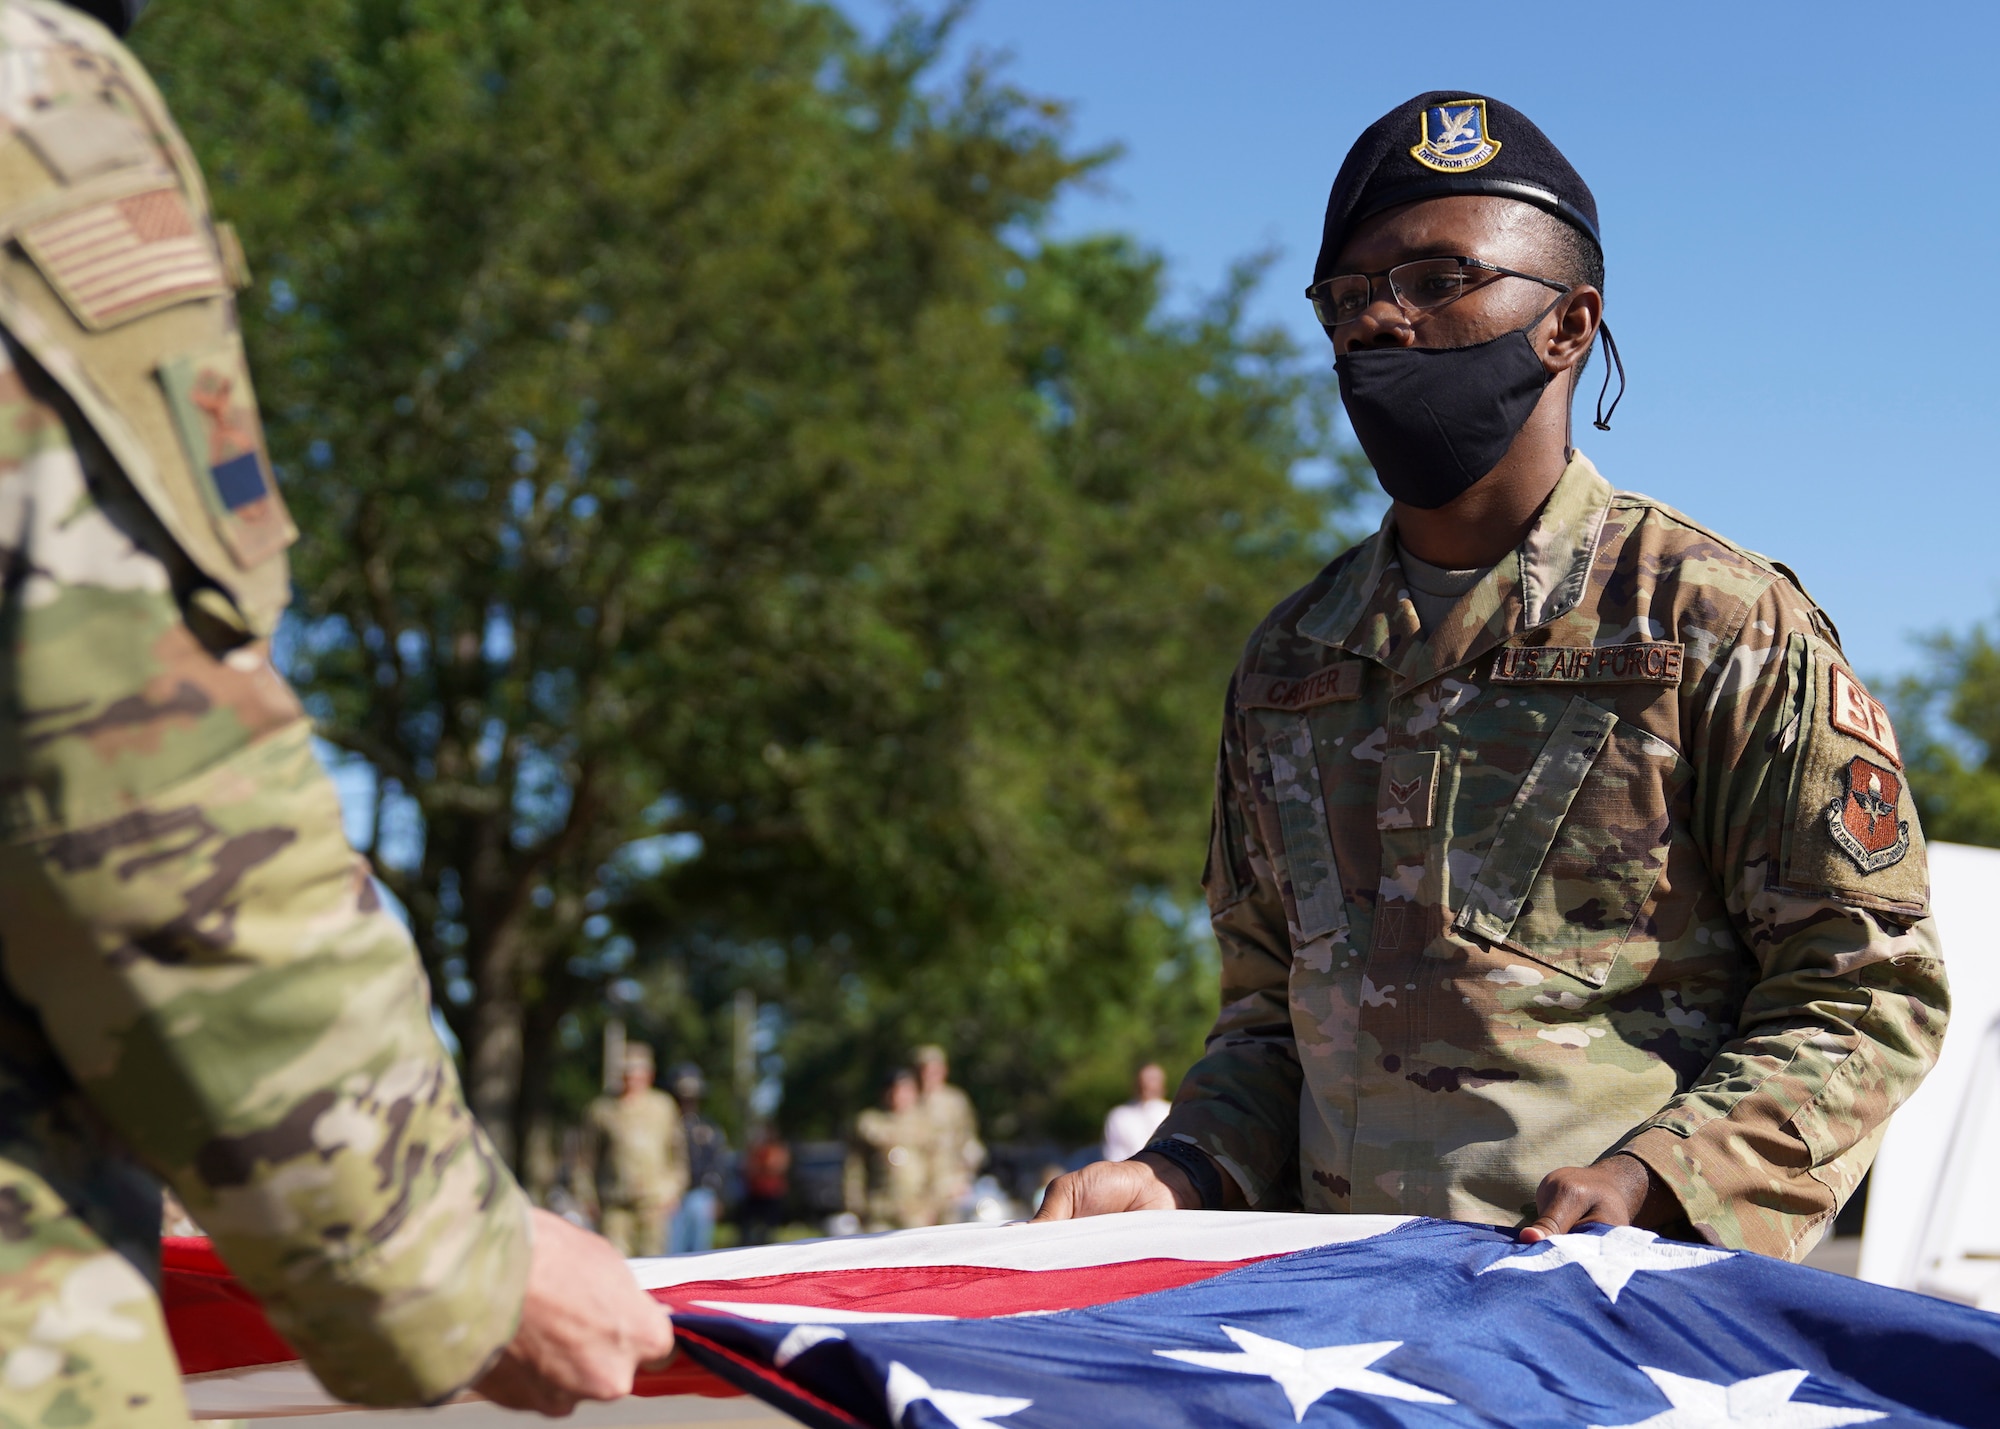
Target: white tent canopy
{"points": [[1934, 1198]]}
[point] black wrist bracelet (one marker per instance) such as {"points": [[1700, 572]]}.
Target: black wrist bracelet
{"points": [[1201, 1171]]}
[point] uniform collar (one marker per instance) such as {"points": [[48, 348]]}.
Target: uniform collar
{"points": [[1368, 611]]}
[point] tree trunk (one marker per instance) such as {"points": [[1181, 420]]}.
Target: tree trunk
{"points": [[531, 1098], [493, 1051]]}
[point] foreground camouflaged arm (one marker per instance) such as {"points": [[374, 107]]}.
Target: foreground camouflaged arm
{"points": [[1240, 1102], [210, 961], [1808, 825]]}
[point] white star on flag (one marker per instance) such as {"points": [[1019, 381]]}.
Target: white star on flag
{"points": [[1613, 1258], [965, 1411], [1306, 1375], [802, 1338], [1764, 1402]]}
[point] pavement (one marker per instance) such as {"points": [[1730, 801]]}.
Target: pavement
{"points": [[742, 1412], [1840, 1254]]}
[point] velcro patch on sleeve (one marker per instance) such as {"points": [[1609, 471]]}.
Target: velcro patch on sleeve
{"points": [[80, 141], [1851, 826], [1852, 710], [1644, 662], [1278, 692], [123, 258], [216, 411]]}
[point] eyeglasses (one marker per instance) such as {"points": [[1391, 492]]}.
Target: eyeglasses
{"points": [[1416, 286]]}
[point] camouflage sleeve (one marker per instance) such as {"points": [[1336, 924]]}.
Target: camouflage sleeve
{"points": [[1240, 1102], [1808, 827], [207, 956]]}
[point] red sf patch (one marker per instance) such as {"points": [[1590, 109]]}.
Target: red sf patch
{"points": [[1860, 714], [1863, 818]]}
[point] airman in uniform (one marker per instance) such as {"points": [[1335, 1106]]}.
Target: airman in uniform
{"points": [[890, 1170], [1563, 868], [956, 1152], [198, 980], [637, 1157]]}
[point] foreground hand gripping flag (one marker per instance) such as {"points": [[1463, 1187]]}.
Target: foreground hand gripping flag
{"points": [[1218, 1319]]}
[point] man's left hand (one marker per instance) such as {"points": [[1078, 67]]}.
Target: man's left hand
{"points": [[1618, 1191]]}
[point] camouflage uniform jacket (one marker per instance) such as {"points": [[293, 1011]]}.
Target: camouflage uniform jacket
{"points": [[956, 1151], [197, 979], [889, 1169], [636, 1150], [1620, 856]]}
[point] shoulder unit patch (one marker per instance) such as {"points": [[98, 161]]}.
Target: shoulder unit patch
{"points": [[1862, 817]]}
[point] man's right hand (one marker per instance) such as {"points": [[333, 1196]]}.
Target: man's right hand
{"points": [[586, 1326], [1104, 1188]]}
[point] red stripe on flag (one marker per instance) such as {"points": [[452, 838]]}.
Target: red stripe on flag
{"points": [[218, 1325], [215, 1323], [966, 1291]]}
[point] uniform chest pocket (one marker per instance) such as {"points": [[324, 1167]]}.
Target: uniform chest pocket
{"points": [[1577, 853]]}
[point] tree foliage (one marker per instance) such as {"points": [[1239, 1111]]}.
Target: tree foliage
{"points": [[740, 548], [1948, 724]]}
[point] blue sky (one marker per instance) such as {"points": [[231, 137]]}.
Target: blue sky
{"points": [[1798, 205]]}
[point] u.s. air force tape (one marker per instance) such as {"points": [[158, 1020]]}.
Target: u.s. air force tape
{"points": [[1645, 662]]}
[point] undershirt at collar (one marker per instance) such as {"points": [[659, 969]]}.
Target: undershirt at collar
{"points": [[1434, 590]]}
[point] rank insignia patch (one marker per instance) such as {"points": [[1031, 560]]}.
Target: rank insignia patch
{"points": [[1454, 137], [1862, 819], [1407, 798]]}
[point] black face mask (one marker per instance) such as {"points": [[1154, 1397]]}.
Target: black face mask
{"points": [[1435, 420]]}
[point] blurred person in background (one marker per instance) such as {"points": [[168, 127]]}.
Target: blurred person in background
{"points": [[956, 1154], [708, 1163], [562, 1199], [889, 1169], [767, 1175], [634, 1169], [1129, 1127]]}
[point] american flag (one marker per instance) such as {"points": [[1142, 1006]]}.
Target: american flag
{"points": [[1218, 1318], [117, 260]]}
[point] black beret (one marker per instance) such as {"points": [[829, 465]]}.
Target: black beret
{"points": [[1451, 142]]}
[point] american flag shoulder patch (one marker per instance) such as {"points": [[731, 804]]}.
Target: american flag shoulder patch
{"points": [[125, 257]]}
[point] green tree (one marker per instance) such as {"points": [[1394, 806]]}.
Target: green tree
{"points": [[728, 527], [1948, 723], [1085, 754]]}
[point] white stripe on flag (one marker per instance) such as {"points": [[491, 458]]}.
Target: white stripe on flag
{"points": [[772, 1314], [1051, 1245]]}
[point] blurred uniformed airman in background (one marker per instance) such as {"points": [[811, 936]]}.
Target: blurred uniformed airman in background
{"points": [[635, 1159], [956, 1153], [889, 1169]]}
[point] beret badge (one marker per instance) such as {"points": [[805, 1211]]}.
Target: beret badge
{"points": [[1454, 137]]}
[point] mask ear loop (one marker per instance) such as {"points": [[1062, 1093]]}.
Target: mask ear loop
{"points": [[1603, 422]]}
